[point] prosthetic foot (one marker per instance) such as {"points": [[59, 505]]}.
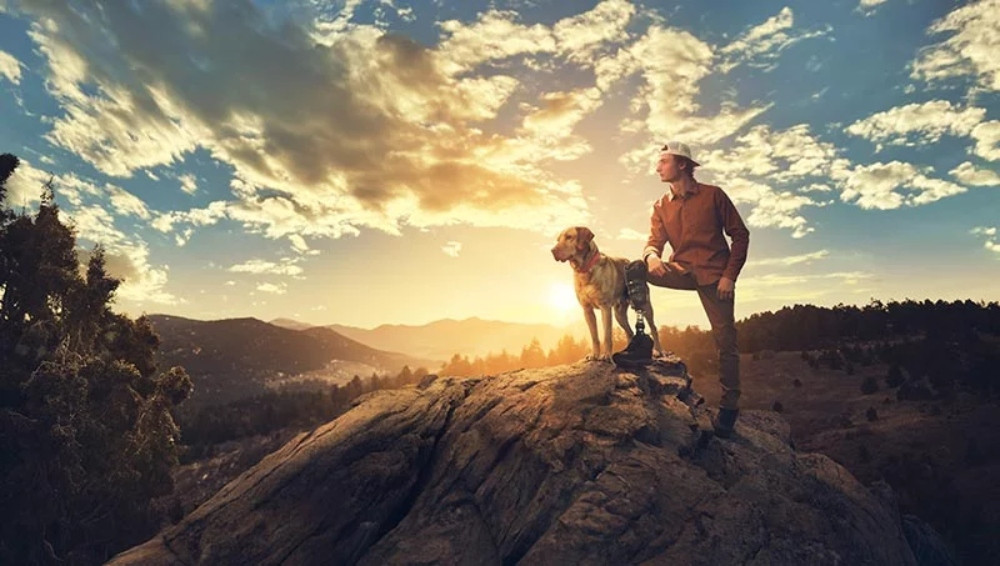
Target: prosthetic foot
{"points": [[639, 352]]}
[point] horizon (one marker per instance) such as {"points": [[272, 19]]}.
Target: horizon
{"points": [[375, 164], [578, 325]]}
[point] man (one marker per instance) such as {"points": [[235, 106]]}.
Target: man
{"points": [[692, 218]]}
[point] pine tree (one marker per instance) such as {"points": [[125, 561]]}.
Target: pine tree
{"points": [[87, 438]]}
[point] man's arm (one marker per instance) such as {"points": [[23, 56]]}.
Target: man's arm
{"points": [[732, 224], [657, 235]]}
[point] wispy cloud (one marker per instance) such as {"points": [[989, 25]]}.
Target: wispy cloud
{"points": [[970, 50], [792, 260], [260, 266], [127, 257], [763, 161], [869, 7], [189, 183], [10, 67], [989, 234], [890, 185], [452, 248], [126, 203], [299, 244], [274, 289], [913, 123], [761, 45]]}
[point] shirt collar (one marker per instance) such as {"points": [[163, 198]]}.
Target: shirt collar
{"points": [[694, 190]]}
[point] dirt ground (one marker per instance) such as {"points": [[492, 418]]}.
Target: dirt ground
{"points": [[941, 457]]}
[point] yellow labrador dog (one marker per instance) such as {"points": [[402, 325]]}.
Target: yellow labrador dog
{"points": [[600, 284]]}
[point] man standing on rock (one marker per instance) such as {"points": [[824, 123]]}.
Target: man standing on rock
{"points": [[692, 218]]}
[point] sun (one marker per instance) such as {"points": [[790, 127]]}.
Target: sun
{"points": [[562, 297]]}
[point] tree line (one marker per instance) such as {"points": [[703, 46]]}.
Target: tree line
{"points": [[306, 405], [945, 344]]}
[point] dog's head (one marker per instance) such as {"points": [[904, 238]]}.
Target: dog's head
{"points": [[571, 242]]}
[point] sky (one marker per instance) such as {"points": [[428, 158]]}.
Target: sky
{"points": [[364, 162]]}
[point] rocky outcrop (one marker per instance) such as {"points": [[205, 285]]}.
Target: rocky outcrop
{"points": [[581, 464]]}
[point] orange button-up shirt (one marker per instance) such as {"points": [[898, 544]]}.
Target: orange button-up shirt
{"points": [[693, 225]]}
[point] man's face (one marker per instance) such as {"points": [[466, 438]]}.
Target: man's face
{"points": [[668, 168]]}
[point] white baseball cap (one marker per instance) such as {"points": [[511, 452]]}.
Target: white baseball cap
{"points": [[678, 148]]}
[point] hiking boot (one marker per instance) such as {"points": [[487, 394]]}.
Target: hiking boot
{"points": [[638, 353], [636, 286], [724, 422]]}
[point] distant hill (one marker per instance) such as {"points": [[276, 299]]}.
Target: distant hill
{"points": [[234, 358], [444, 338], [291, 324]]}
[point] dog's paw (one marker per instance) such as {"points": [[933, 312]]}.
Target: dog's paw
{"points": [[592, 358]]}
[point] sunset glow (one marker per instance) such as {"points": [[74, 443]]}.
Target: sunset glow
{"points": [[562, 297], [369, 162]]}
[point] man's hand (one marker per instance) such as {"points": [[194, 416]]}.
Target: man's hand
{"points": [[656, 266], [726, 288]]}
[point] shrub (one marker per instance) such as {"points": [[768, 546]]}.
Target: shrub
{"points": [[869, 385], [895, 376]]}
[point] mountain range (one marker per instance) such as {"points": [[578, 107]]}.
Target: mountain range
{"points": [[234, 358], [471, 337]]}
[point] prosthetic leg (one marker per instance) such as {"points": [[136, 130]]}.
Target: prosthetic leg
{"points": [[639, 351]]}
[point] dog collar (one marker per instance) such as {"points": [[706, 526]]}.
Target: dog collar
{"points": [[590, 263]]}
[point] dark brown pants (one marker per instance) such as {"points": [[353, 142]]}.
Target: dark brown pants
{"points": [[722, 318]]}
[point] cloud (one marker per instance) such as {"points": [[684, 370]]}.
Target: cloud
{"points": [[868, 7], [496, 36], [299, 243], [911, 123], [772, 208], [559, 113], [968, 174], [886, 186], [969, 51], [990, 236], [126, 257], [279, 289], [792, 260], [761, 45], [189, 183], [126, 203], [452, 248], [24, 187], [672, 63], [987, 136], [579, 37], [774, 171], [10, 67], [366, 130], [260, 266], [800, 287]]}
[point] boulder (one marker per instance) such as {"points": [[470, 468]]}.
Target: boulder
{"points": [[578, 464]]}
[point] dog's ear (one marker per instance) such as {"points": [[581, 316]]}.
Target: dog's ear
{"points": [[583, 237]]}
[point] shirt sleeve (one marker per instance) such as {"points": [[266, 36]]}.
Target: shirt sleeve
{"points": [[732, 224], [657, 234]]}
